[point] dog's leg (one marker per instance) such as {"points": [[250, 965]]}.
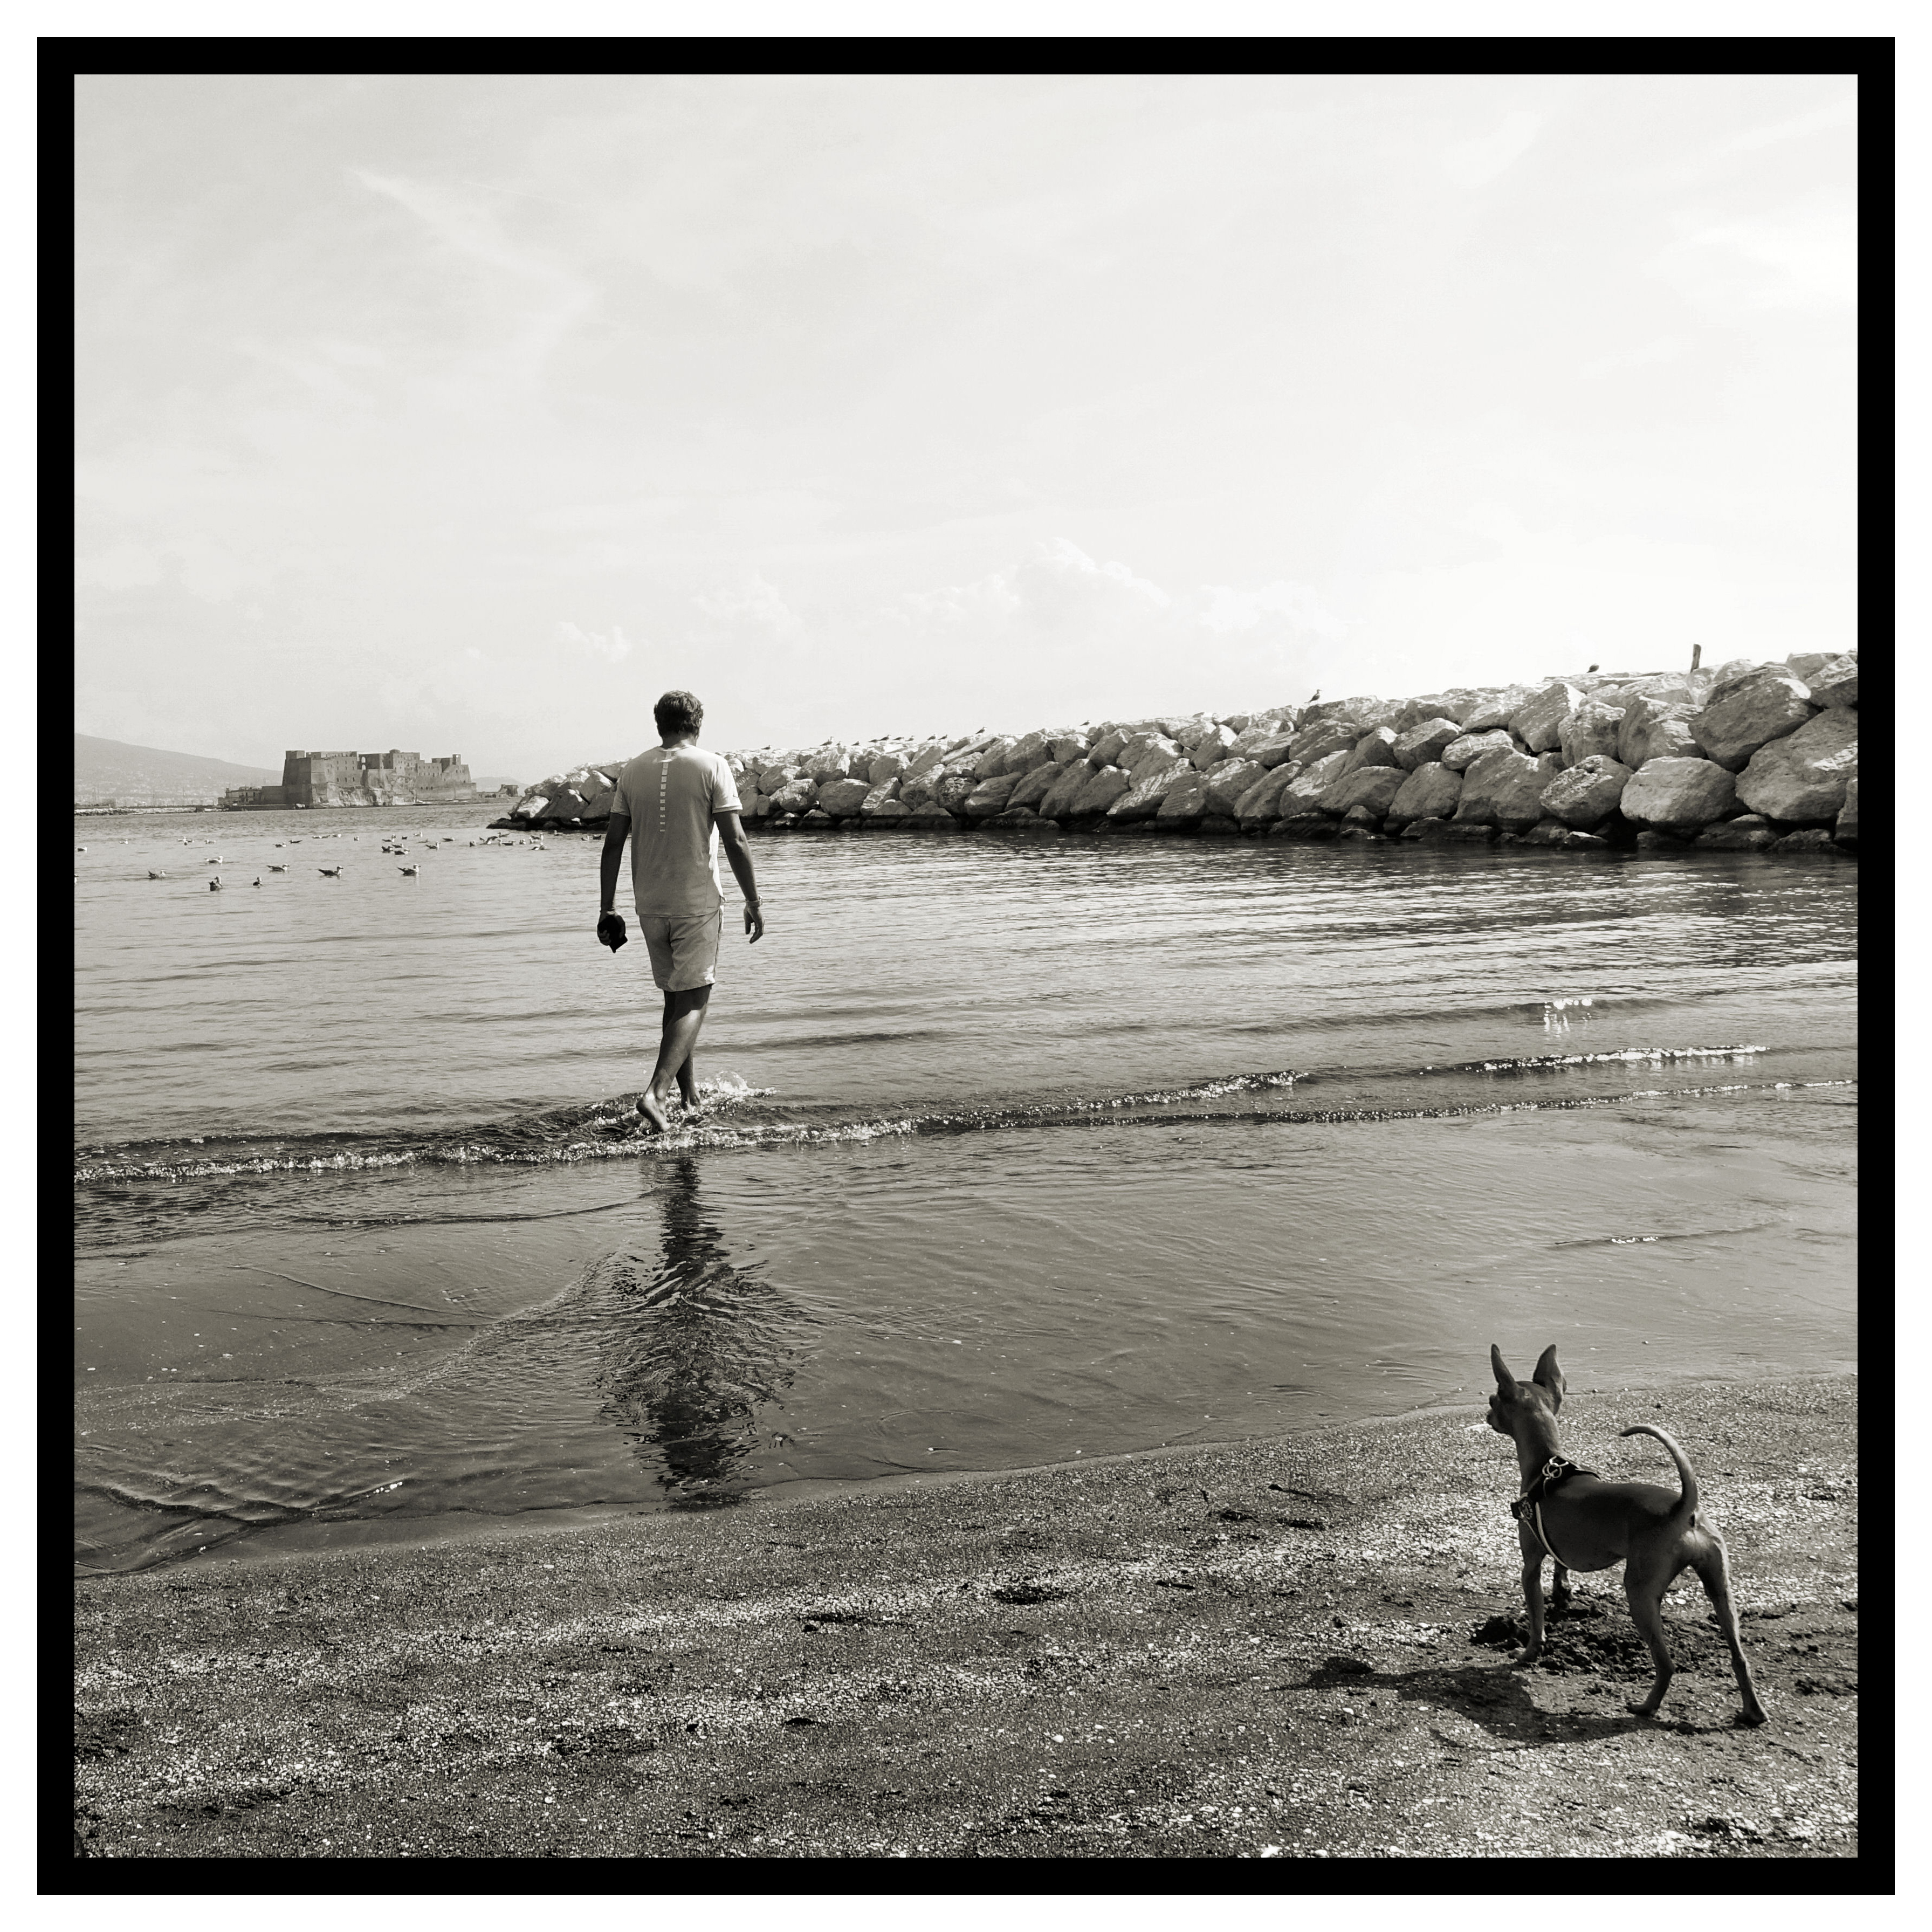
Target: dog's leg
{"points": [[1644, 1593], [1713, 1572], [1532, 1599], [1559, 1588]]}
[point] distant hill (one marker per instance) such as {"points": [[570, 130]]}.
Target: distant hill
{"points": [[143, 774]]}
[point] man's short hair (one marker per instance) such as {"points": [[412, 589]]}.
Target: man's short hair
{"points": [[676, 712]]}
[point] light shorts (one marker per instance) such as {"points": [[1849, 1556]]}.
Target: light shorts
{"points": [[683, 950]]}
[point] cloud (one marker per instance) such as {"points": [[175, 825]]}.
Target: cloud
{"points": [[1476, 164], [613, 648], [1643, 355], [1227, 609], [1842, 112], [553, 300], [1803, 256], [1057, 585], [758, 604], [1810, 250]]}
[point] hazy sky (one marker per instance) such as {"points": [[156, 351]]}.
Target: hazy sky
{"points": [[461, 414]]}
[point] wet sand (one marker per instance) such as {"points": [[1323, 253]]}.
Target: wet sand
{"points": [[1296, 1648]]}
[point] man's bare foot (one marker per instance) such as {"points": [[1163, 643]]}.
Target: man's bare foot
{"points": [[650, 1111]]}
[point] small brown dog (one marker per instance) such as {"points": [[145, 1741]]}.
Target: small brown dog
{"points": [[1583, 1522]]}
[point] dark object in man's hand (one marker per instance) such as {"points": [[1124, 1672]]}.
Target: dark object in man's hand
{"points": [[611, 929]]}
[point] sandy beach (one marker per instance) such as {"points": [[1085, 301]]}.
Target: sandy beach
{"points": [[1295, 1648]]}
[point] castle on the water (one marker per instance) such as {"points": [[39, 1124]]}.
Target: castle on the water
{"points": [[311, 778]]}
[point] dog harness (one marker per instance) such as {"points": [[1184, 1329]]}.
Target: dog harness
{"points": [[1528, 1508]]}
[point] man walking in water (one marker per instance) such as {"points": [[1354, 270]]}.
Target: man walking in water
{"points": [[675, 804]]}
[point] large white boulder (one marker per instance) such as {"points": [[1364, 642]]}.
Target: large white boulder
{"points": [[886, 765], [1276, 747], [1371, 788], [795, 797], [1035, 748], [1375, 747], [1801, 779], [841, 798], [1502, 788], [1847, 826], [1262, 799], [1303, 791], [1590, 731], [1460, 754], [1654, 726], [1802, 664], [1030, 787], [1313, 743], [1069, 781], [1227, 781], [1678, 795], [953, 791], [1186, 800], [1424, 742], [1210, 748], [1430, 791], [991, 761], [1747, 712], [1150, 752], [1455, 705], [1495, 707], [1585, 794], [1143, 800], [1538, 720], [1097, 793], [883, 793], [918, 791], [1835, 682], [989, 797]]}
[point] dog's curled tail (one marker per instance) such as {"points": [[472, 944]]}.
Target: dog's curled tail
{"points": [[1688, 1501]]}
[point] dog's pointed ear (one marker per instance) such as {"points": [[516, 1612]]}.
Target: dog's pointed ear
{"points": [[1504, 1380], [1549, 1376]]}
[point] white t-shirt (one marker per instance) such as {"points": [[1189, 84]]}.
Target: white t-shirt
{"points": [[670, 795]]}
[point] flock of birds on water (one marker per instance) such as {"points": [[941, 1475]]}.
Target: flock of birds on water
{"points": [[396, 845]]}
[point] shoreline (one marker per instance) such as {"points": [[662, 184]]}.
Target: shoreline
{"points": [[1148, 1654]]}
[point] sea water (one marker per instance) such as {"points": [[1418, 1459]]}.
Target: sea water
{"points": [[1012, 1153]]}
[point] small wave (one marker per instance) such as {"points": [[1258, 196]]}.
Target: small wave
{"points": [[736, 1114], [1628, 1056]]}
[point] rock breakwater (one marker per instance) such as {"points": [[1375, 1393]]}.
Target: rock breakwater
{"points": [[1752, 755]]}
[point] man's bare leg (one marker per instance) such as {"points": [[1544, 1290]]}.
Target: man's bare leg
{"points": [[684, 1015]]}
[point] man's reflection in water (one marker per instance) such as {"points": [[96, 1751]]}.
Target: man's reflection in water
{"points": [[692, 1348]]}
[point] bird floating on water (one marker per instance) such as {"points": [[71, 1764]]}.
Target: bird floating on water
{"points": [[330, 872], [256, 881], [273, 867], [407, 871], [162, 875], [214, 885]]}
